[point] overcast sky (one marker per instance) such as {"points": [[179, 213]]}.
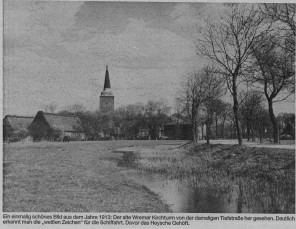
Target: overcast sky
{"points": [[58, 51]]}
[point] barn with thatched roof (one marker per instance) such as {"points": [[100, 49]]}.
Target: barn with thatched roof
{"points": [[48, 126], [15, 127]]}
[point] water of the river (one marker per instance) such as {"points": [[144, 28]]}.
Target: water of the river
{"points": [[182, 197], [239, 195]]}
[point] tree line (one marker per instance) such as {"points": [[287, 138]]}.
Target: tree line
{"points": [[250, 51], [215, 119], [134, 121]]}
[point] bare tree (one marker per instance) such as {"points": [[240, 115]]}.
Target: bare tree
{"points": [[219, 111], [51, 108], [76, 108], [128, 120], [273, 71], [180, 111], [211, 108], [156, 113], [228, 43], [283, 13], [263, 122], [198, 88], [250, 109], [91, 123], [224, 115], [121, 122], [136, 112], [283, 16]]}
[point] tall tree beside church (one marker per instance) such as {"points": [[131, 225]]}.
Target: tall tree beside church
{"points": [[228, 44]]}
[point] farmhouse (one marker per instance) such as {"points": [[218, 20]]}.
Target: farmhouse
{"points": [[178, 130], [181, 130], [50, 126], [15, 127]]}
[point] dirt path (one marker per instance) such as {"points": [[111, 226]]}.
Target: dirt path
{"points": [[251, 144]]}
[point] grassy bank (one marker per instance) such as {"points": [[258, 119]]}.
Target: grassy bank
{"points": [[72, 177], [264, 177], [89, 177]]}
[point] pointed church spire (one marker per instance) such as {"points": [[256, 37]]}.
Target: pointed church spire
{"points": [[107, 79], [107, 97]]}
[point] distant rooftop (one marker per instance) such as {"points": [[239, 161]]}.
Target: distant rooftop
{"points": [[17, 122], [70, 123]]}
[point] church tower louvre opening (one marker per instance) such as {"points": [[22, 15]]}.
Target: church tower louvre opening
{"points": [[107, 97]]}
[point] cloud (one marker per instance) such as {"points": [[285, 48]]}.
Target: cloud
{"points": [[182, 9], [31, 82], [50, 56], [188, 17], [138, 46], [36, 25]]}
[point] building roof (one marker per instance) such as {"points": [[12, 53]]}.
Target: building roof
{"points": [[177, 123], [107, 79], [17, 122], [68, 123], [107, 85]]}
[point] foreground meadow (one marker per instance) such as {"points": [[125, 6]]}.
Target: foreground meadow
{"points": [[73, 177], [104, 177]]}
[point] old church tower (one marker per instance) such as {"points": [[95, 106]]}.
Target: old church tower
{"points": [[107, 98]]}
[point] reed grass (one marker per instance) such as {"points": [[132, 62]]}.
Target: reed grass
{"points": [[265, 177]]}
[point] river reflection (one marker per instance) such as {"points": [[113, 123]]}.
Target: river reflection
{"points": [[183, 197], [213, 192]]}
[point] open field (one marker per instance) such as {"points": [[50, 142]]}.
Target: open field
{"points": [[73, 177], [92, 177]]}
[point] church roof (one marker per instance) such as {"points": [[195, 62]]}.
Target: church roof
{"points": [[107, 86], [107, 79]]}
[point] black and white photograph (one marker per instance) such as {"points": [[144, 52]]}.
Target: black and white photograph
{"points": [[149, 107]]}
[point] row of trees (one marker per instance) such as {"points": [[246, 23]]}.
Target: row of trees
{"points": [[218, 118], [199, 95], [126, 122], [253, 46], [216, 115]]}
